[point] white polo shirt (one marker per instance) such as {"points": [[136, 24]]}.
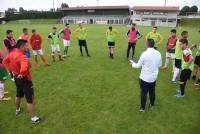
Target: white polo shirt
{"points": [[150, 62]]}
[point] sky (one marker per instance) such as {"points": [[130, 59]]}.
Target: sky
{"points": [[47, 4]]}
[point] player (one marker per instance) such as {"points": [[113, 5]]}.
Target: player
{"points": [[133, 35], [178, 55], [19, 64], [4, 75], [111, 38], [81, 34], [36, 44], [25, 36], [187, 67], [157, 37], [170, 54], [66, 33], [53, 38], [10, 44]]}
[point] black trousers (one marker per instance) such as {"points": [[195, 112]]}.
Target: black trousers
{"points": [[131, 45], [145, 89], [83, 43]]}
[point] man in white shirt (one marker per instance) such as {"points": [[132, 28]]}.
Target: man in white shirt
{"points": [[150, 62]]}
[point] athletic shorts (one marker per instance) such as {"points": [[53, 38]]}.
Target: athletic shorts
{"points": [[131, 44], [55, 48], [197, 61], [111, 44], [37, 52], [178, 63], [170, 55], [66, 43], [82, 42], [185, 75], [24, 88]]}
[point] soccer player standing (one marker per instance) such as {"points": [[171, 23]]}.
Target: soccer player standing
{"points": [[19, 64], [111, 35], [66, 33], [178, 55], [25, 36], [133, 35], [157, 37], [36, 44], [81, 34], [54, 39], [170, 54], [187, 67]]}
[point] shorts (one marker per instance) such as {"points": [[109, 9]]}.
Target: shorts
{"points": [[37, 52], [24, 88], [4, 75], [111, 44], [82, 42], [170, 55], [66, 43], [55, 48], [197, 61], [178, 63], [185, 75], [131, 44]]}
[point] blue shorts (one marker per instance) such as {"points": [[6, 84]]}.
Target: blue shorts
{"points": [[28, 54]]}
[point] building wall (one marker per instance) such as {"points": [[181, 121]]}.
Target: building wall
{"points": [[166, 19]]}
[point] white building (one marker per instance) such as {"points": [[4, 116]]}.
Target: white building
{"points": [[2, 14], [165, 16]]}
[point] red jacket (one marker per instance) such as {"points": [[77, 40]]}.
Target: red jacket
{"points": [[36, 42], [18, 63]]}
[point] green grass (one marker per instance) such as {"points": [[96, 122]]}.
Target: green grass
{"points": [[98, 95], [190, 23]]}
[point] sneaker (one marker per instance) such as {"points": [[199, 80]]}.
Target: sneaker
{"points": [[5, 99], [151, 107], [178, 91], [142, 111], [88, 55], [179, 95], [35, 121], [197, 84], [163, 68], [173, 82], [18, 111], [64, 56], [12, 79]]}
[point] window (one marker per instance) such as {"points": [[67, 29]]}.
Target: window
{"points": [[91, 11], [171, 20], [160, 13]]}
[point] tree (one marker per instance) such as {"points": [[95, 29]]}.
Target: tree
{"points": [[194, 9], [185, 10], [21, 10], [64, 5]]}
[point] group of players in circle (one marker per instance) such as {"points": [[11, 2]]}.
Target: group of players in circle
{"points": [[17, 59]]}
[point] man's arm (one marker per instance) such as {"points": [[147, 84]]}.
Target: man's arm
{"points": [[147, 36], [24, 64], [8, 45], [189, 62], [160, 38], [139, 64], [139, 35], [127, 34], [6, 63]]}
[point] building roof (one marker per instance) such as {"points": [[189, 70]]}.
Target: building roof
{"points": [[95, 7], [155, 8]]}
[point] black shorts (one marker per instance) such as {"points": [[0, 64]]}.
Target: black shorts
{"points": [[111, 44], [24, 88], [82, 42], [131, 44], [185, 75], [197, 61], [178, 63]]}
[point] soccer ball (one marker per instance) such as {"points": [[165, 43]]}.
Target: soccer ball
{"points": [[186, 55]]}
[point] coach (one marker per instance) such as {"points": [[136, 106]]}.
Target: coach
{"points": [[150, 62]]}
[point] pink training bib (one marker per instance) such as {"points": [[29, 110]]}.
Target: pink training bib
{"points": [[66, 35], [132, 36], [24, 37]]}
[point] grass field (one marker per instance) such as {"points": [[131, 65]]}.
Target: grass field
{"points": [[98, 95]]}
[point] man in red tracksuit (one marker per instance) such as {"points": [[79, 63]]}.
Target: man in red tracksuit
{"points": [[36, 44], [18, 63]]}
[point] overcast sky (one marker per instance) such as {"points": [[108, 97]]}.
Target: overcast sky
{"points": [[47, 4]]}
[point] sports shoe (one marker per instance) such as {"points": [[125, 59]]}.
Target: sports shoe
{"points": [[142, 111], [197, 84], [37, 120], [12, 79], [151, 107], [18, 111], [178, 91], [164, 68], [5, 99], [179, 96], [173, 82]]}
